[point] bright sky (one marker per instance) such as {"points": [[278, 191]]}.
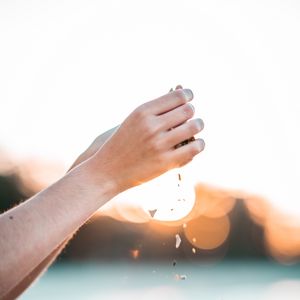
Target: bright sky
{"points": [[72, 69]]}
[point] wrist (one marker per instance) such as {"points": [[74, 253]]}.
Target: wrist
{"points": [[96, 182]]}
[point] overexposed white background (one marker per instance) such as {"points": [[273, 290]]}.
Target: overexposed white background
{"points": [[72, 69]]}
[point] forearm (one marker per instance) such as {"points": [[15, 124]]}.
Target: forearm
{"points": [[58, 211], [21, 286], [40, 268]]}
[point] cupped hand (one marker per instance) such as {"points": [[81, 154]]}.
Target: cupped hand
{"points": [[143, 146]]}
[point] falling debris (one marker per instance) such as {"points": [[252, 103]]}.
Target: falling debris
{"points": [[152, 212], [178, 241], [184, 225], [180, 277], [174, 263], [179, 177], [194, 250]]}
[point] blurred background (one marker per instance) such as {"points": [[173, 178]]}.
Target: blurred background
{"points": [[224, 227]]}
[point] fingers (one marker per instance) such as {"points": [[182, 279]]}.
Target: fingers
{"points": [[170, 101], [176, 116], [178, 87], [186, 153], [183, 132]]}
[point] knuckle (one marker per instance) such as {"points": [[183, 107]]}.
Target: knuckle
{"points": [[142, 111], [156, 146], [150, 126], [146, 126]]}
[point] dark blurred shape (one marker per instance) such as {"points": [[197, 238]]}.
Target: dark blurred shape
{"points": [[246, 239], [10, 191], [220, 227], [104, 238]]}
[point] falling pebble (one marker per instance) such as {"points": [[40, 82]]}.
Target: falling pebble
{"points": [[172, 209], [180, 277], [179, 177], [194, 250], [174, 263], [178, 241], [152, 212], [11, 217]]}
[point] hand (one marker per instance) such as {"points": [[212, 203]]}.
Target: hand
{"points": [[143, 147], [94, 147]]}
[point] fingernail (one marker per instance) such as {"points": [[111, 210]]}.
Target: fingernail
{"points": [[201, 123], [191, 106], [201, 144], [188, 94]]}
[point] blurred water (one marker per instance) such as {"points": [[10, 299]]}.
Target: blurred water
{"points": [[226, 280]]}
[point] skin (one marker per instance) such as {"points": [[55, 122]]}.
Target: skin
{"points": [[34, 233]]}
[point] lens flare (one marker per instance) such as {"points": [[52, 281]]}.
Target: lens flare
{"points": [[162, 199], [207, 233]]}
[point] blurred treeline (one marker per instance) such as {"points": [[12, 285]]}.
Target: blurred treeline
{"points": [[104, 238]]}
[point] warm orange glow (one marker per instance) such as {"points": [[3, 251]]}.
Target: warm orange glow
{"points": [[212, 202], [162, 229], [258, 208], [171, 200], [37, 175], [125, 211], [135, 253], [207, 233], [283, 237]]}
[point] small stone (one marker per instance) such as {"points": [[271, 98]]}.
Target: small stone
{"points": [[178, 241], [180, 277], [152, 212], [174, 263], [11, 217]]}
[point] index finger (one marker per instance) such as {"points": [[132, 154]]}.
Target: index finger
{"points": [[170, 101]]}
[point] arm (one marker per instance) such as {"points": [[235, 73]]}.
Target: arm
{"points": [[141, 149], [42, 267]]}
